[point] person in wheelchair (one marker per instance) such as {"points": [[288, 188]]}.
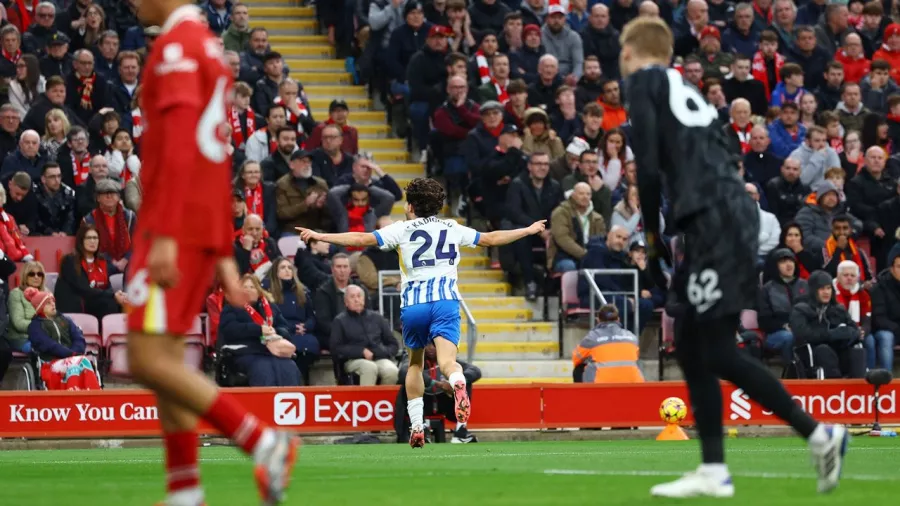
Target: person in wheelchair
{"points": [[827, 342], [257, 337]]}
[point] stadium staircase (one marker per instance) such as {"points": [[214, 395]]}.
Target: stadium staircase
{"points": [[513, 346]]}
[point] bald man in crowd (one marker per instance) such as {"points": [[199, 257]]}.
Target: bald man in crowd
{"points": [[26, 158]]}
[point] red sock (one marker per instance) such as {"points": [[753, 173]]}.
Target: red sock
{"points": [[233, 420], [181, 461]]}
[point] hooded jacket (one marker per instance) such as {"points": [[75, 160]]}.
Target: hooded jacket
{"points": [[852, 120], [816, 323], [815, 221], [783, 142], [778, 296]]}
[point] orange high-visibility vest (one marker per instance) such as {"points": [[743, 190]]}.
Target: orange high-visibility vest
{"points": [[610, 355]]}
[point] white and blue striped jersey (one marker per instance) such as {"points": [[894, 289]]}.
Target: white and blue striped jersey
{"points": [[429, 255]]}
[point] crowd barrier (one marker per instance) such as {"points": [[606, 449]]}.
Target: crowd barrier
{"points": [[132, 413]]}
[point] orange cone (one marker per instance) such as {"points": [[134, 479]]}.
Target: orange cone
{"points": [[672, 432]]}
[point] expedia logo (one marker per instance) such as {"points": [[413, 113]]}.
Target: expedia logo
{"points": [[740, 405]]}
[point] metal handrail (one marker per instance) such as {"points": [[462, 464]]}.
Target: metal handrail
{"points": [[595, 291], [472, 325]]}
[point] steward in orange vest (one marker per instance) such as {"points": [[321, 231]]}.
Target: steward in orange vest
{"points": [[609, 353]]}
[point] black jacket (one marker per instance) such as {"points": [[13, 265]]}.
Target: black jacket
{"points": [[526, 205], [599, 256], [785, 199], [815, 323], [274, 166], [242, 256], [488, 17], [524, 63], [270, 216], [776, 300], [813, 65], [35, 119], [312, 270], [477, 148], [17, 162], [25, 211], [604, 44], [55, 212], [100, 97], [236, 327], [886, 303], [751, 89], [500, 165], [324, 167], [74, 293], [52, 67], [351, 333], [762, 167], [865, 194], [426, 70], [8, 142], [540, 94], [828, 97], [587, 92], [329, 303], [404, 43]]}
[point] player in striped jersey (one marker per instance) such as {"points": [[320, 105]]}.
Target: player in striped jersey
{"points": [[428, 248]]}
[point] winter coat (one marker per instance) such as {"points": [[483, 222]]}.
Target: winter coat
{"points": [[886, 302], [776, 301], [567, 229], [815, 323], [526, 205], [604, 44], [54, 338], [783, 142], [852, 120], [237, 328], [55, 212], [601, 199], [865, 194], [352, 333]]}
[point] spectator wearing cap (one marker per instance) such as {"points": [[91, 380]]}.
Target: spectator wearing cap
{"points": [[114, 223], [524, 62], [532, 197], [106, 53], [568, 164], [573, 224], [776, 299], [602, 41], [890, 50], [35, 38], [563, 43], [812, 58], [786, 132], [237, 36], [740, 36], [453, 121], [609, 353], [589, 87], [266, 88], [406, 41], [539, 137], [254, 250], [481, 142], [218, 14], [533, 12], [356, 208], [86, 91], [57, 61], [506, 162], [489, 15], [426, 69], [714, 60], [26, 158], [542, 93], [370, 174], [300, 197], [329, 162], [141, 39], [338, 114], [278, 163]]}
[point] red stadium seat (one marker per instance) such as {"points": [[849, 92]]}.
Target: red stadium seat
{"points": [[289, 245], [90, 328], [50, 250], [50, 279], [117, 282], [115, 333], [748, 319]]}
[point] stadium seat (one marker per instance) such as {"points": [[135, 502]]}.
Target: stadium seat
{"points": [[117, 282], [22, 361], [289, 245], [93, 343], [50, 250], [195, 344], [748, 319], [50, 280], [114, 332]]}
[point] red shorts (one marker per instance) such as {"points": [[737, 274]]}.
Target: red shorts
{"points": [[153, 310]]}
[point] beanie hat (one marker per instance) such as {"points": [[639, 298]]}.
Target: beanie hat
{"points": [[577, 146], [411, 6], [38, 299]]}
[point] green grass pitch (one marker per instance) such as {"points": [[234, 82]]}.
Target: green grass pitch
{"points": [[770, 472]]}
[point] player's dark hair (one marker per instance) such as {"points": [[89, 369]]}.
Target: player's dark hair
{"points": [[768, 36], [512, 16], [790, 70], [425, 196], [119, 131], [47, 166], [741, 57], [591, 57], [834, 65], [881, 65]]}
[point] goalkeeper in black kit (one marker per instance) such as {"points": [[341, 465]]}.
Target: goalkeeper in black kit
{"points": [[677, 139]]}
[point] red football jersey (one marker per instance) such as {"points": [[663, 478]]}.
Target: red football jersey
{"points": [[185, 99]]}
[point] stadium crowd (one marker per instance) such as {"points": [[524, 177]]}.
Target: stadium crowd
{"points": [[519, 107]]}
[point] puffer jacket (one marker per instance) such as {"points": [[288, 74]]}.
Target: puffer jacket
{"points": [[778, 297], [815, 323], [56, 211]]}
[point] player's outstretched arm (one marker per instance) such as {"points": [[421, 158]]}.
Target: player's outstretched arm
{"points": [[360, 239], [502, 237]]}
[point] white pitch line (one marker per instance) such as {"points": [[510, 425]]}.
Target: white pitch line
{"points": [[788, 476]]}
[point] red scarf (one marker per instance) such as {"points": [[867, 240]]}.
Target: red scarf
{"points": [[137, 126], [291, 119], [502, 95], [355, 221], [14, 58], [24, 14], [856, 300], [484, 71], [258, 318], [742, 135], [837, 144], [115, 241], [259, 258], [238, 136], [12, 229], [855, 256], [81, 168], [496, 131], [97, 273], [254, 200], [765, 15], [514, 115], [760, 71], [87, 90]]}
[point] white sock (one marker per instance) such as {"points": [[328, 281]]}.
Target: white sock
{"points": [[460, 425], [718, 471], [818, 437], [186, 497], [456, 377], [266, 440], [415, 407]]}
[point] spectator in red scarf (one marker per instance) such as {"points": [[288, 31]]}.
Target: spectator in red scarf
{"points": [[74, 158], [338, 114], [296, 107], [264, 142], [242, 117], [851, 294], [496, 87], [253, 248], [767, 62], [83, 285], [840, 246], [738, 130], [356, 208], [114, 223], [86, 92], [10, 235], [258, 335], [259, 195], [11, 41], [238, 208]]}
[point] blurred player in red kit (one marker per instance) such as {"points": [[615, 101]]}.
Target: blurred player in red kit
{"points": [[183, 238]]}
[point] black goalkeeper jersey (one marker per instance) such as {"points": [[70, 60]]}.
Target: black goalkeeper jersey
{"points": [[675, 132]]}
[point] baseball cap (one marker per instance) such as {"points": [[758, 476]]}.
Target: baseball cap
{"points": [[439, 31], [509, 129], [556, 8], [237, 193], [300, 153], [58, 39], [710, 31], [577, 146], [638, 244], [491, 105], [338, 103]]}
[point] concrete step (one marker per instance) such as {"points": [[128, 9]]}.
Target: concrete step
{"points": [[368, 131], [492, 288], [522, 381], [407, 171], [555, 368], [516, 331], [334, 78], [355, 104], [357, 117], [300, 39], [510, 350], [480, 275], [334, 91], [313, 65], [483, 316], [259, 13], [496, 302], [387, 156], [476, 262], [383, 145], [255, 3], [286, 26]]}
